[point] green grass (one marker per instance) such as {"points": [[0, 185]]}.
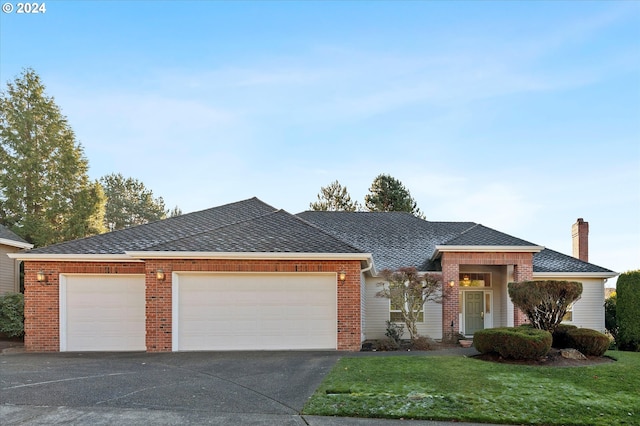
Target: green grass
{"points": [[471, 390]]}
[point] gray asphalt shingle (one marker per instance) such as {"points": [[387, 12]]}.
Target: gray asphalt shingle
{"points": [[7, 234]]}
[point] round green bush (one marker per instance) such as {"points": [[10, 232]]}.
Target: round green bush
{"points": [[513, 342], [560, 337], [589, 342]]}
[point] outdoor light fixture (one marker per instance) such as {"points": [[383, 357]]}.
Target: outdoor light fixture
{"points": [[160, 275], [452, 283], [342, 276], [41, 277]]}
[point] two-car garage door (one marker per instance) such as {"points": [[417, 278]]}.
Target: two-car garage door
{"points": [[254, 311], [209, 312]]}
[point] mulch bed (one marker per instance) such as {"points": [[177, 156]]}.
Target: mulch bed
{"points": [[553, 359]]}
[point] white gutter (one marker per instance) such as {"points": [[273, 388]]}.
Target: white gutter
{"points": [[494, 249], [14, 243], [48, 257], [575, 274], [245, 255]]}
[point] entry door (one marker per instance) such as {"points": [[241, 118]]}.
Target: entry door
{"points": [[473, 311]]}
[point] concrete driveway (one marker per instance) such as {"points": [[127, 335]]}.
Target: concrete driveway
{"points": [[197, 388], [174, 388]]}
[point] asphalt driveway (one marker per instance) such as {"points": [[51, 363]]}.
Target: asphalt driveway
{"points": [[168, 388]]}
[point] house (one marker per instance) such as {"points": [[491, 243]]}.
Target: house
{"points": [[248, 276], [10, 268]]}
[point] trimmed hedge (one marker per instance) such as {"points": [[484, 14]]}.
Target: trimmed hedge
{"points": [[560, 335], [589, 342], [12, 314], [628, 311], [513, 342]]}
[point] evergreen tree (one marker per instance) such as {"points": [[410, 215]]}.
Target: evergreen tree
{"points": [[130, 203], [388, 194], [334, 197], [45, 193]]}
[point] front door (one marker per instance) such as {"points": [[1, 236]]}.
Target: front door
{"points": [[473, 311]]}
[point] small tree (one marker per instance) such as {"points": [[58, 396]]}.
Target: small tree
{"points": [[545, 302], [334, 197], [388, 194], [628, 311], [408, 291]]}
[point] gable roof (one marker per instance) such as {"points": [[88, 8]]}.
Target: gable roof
{"points": [[395, 239], [10, 238], [398, 239], [247, 226]]}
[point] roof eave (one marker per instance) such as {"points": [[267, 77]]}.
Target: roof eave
{"points": [[51, 257], [14, 243], [246, 255], [496, 249], [609, 274]]}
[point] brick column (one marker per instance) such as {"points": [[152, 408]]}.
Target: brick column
{"points": [[158, 308], [450, 298], [521, 272]]}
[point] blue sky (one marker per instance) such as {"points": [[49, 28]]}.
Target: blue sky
{"points": [[522, 116]]}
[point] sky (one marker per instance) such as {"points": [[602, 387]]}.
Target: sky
{"points": [[521, 116]]}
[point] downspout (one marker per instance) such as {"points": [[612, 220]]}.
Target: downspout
{"points": [[362, 298]]}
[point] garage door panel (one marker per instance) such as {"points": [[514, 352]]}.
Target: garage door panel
{"points": [[103, 313], [256, 311]]}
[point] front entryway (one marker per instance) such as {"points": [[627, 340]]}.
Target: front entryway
{"points": [[476, 311]]}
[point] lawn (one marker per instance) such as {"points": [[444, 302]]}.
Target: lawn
{"points": [[471, 390]]}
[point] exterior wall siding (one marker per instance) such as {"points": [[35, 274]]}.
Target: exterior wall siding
{"points": [[8, 270], [377, 309], [588, 312], [42, 321]]}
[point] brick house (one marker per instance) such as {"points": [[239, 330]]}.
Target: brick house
{"points": [[247, 276]]}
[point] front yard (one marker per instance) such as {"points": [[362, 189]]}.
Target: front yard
{"points": [[471, 390]]}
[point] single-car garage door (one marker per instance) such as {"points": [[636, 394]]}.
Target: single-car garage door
{"points": [[254, 311], [102, 313]]}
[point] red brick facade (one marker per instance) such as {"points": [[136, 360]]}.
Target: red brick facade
{"points": [[451, 261], [42, 316]]}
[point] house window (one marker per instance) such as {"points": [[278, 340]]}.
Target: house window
{"points": [[474, 279], [569, 315], [395, 314]]}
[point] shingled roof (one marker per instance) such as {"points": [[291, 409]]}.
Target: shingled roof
{"points": [[11, 238], [398, 239], [246, 226]]}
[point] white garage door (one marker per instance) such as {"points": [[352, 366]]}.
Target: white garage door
{"points": [[102, 313], [254, 311]]}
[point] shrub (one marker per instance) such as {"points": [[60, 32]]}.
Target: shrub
{"points": [[513, 342], [394, 331], [386, 344], [12, 314], [610, 316], [561, 339], [589, 342], [422, 343], [544, 302], [628, 311]]}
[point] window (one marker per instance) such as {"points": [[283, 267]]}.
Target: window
{"points": [[474, 279], [395, 314], [569, 315]]}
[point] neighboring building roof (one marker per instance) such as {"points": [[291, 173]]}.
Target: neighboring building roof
{"points": [[246, 226], [10, 238]]}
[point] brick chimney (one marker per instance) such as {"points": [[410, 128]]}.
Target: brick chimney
{"points": [[580, 236]]}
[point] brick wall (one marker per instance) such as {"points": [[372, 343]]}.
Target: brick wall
{"points": [[42, 327], [451, 261]]}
